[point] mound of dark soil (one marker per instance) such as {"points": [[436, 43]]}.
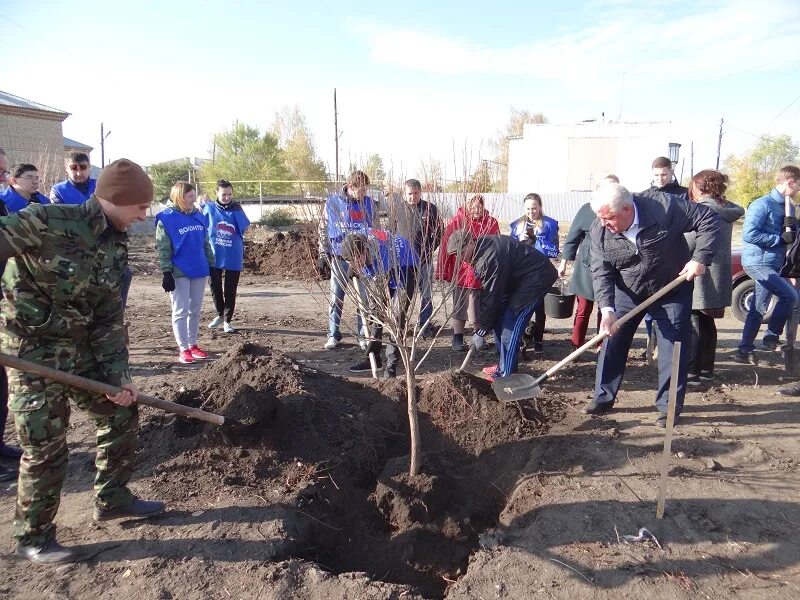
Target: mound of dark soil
{"points": [[465, 409], [292, 254], [336, 453]]}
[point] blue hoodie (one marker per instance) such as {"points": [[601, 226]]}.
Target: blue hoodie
{"points": [[226, 227], [396, 254], [344, 215]]}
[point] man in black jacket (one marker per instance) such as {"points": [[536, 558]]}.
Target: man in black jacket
{"points": [[664, 180], [418, 220], [638, 247], [514, 277]]}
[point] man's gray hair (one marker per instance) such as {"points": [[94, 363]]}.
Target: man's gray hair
{"points": [[611, 195]]}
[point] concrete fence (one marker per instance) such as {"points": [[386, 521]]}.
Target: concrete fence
{"points": [[504, 207]]}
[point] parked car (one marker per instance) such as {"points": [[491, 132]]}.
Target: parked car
{"points": [[744, 289]]}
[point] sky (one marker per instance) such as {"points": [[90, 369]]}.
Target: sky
{"points": [[416, 81]]}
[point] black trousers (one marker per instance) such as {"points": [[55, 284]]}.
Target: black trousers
{"points": [[535, 330], [401, 300], [704, 343], [224, 284]]}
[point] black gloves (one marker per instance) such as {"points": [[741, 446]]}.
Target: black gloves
{"points": [[790, 222], [788, 236], [168, 282], [323, 266]]}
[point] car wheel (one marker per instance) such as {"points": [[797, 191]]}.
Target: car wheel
{"points": [[743, 297]]}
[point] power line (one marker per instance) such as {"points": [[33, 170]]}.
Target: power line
{"points": [[787, 107]]}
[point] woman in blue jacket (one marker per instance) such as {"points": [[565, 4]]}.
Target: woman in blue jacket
{"points": [[226, 226], [541, 232], [185, 259]]}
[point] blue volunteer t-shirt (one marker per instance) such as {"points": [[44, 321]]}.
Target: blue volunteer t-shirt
{"points": [[15, 202], [226, 227], [67, 192], [188, 236]]}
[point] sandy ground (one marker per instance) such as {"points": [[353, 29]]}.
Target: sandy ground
{"points": [[566, 493]]}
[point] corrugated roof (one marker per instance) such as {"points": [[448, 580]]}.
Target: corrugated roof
{"points": [[17, 102], [68, 143]]}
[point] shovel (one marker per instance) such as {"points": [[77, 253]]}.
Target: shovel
{"points": [[97, 387], [524, 387]]}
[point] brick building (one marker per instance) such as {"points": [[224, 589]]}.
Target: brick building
{"points": [[31, 132]]}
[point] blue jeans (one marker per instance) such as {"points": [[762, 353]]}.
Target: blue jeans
{"points": [[671, 316], [768, 283], [127, 277], [339, 268]]}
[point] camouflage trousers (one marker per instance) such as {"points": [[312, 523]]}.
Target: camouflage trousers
{"points": [[41, 410]]}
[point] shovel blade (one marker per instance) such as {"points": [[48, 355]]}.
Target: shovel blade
{"points": [[515, 387]]}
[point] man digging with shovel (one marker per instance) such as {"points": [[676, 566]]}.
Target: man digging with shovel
{"points": [[638, 248], [514, 277], [62, 309]]}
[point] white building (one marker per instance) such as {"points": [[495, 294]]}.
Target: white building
{"points": [[566, 158]]}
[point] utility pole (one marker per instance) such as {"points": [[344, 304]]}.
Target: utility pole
{"points": [[336, 132], [719, 142], [103, 137]]}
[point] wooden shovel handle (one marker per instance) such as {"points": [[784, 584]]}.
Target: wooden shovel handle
{"points": [[467, 357], [90, 385], [601, 336]]}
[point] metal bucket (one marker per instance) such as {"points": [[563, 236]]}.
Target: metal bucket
{"points": [[559, 302]]}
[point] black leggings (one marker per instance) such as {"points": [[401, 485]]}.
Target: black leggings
{"points": [[224, 294]]}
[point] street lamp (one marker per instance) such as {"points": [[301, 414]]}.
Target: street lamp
{"points": [[674, 152]]}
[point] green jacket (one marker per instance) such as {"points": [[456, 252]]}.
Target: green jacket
{"points": [[61, 286], [164, 247]]}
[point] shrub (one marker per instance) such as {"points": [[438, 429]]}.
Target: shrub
{"points": [[280, 217]]}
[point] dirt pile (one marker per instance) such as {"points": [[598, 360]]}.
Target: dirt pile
{"points": [[292, 254], [334, 454], [466, 410]]}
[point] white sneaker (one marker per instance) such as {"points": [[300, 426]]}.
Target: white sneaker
{"points": [[363, 343], [228, 328], [215, 323], [331, 343]]}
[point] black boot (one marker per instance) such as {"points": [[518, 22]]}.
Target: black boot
{"points": [[49, 553], [138, 509], [457, 342]]}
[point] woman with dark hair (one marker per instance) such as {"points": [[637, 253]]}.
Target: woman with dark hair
{"points": [[226, 226], [541, 232], [712, 292]]}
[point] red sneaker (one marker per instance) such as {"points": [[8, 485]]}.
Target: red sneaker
{"points": [[186, 357], [197, 352], [491, 371]]}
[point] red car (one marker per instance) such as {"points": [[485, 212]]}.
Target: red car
{"points": [[743, 288]]}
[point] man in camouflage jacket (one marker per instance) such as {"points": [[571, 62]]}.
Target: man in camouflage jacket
{"points": [[62, 308]]}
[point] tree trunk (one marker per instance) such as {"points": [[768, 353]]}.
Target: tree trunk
{"points": [[413, 421]]}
